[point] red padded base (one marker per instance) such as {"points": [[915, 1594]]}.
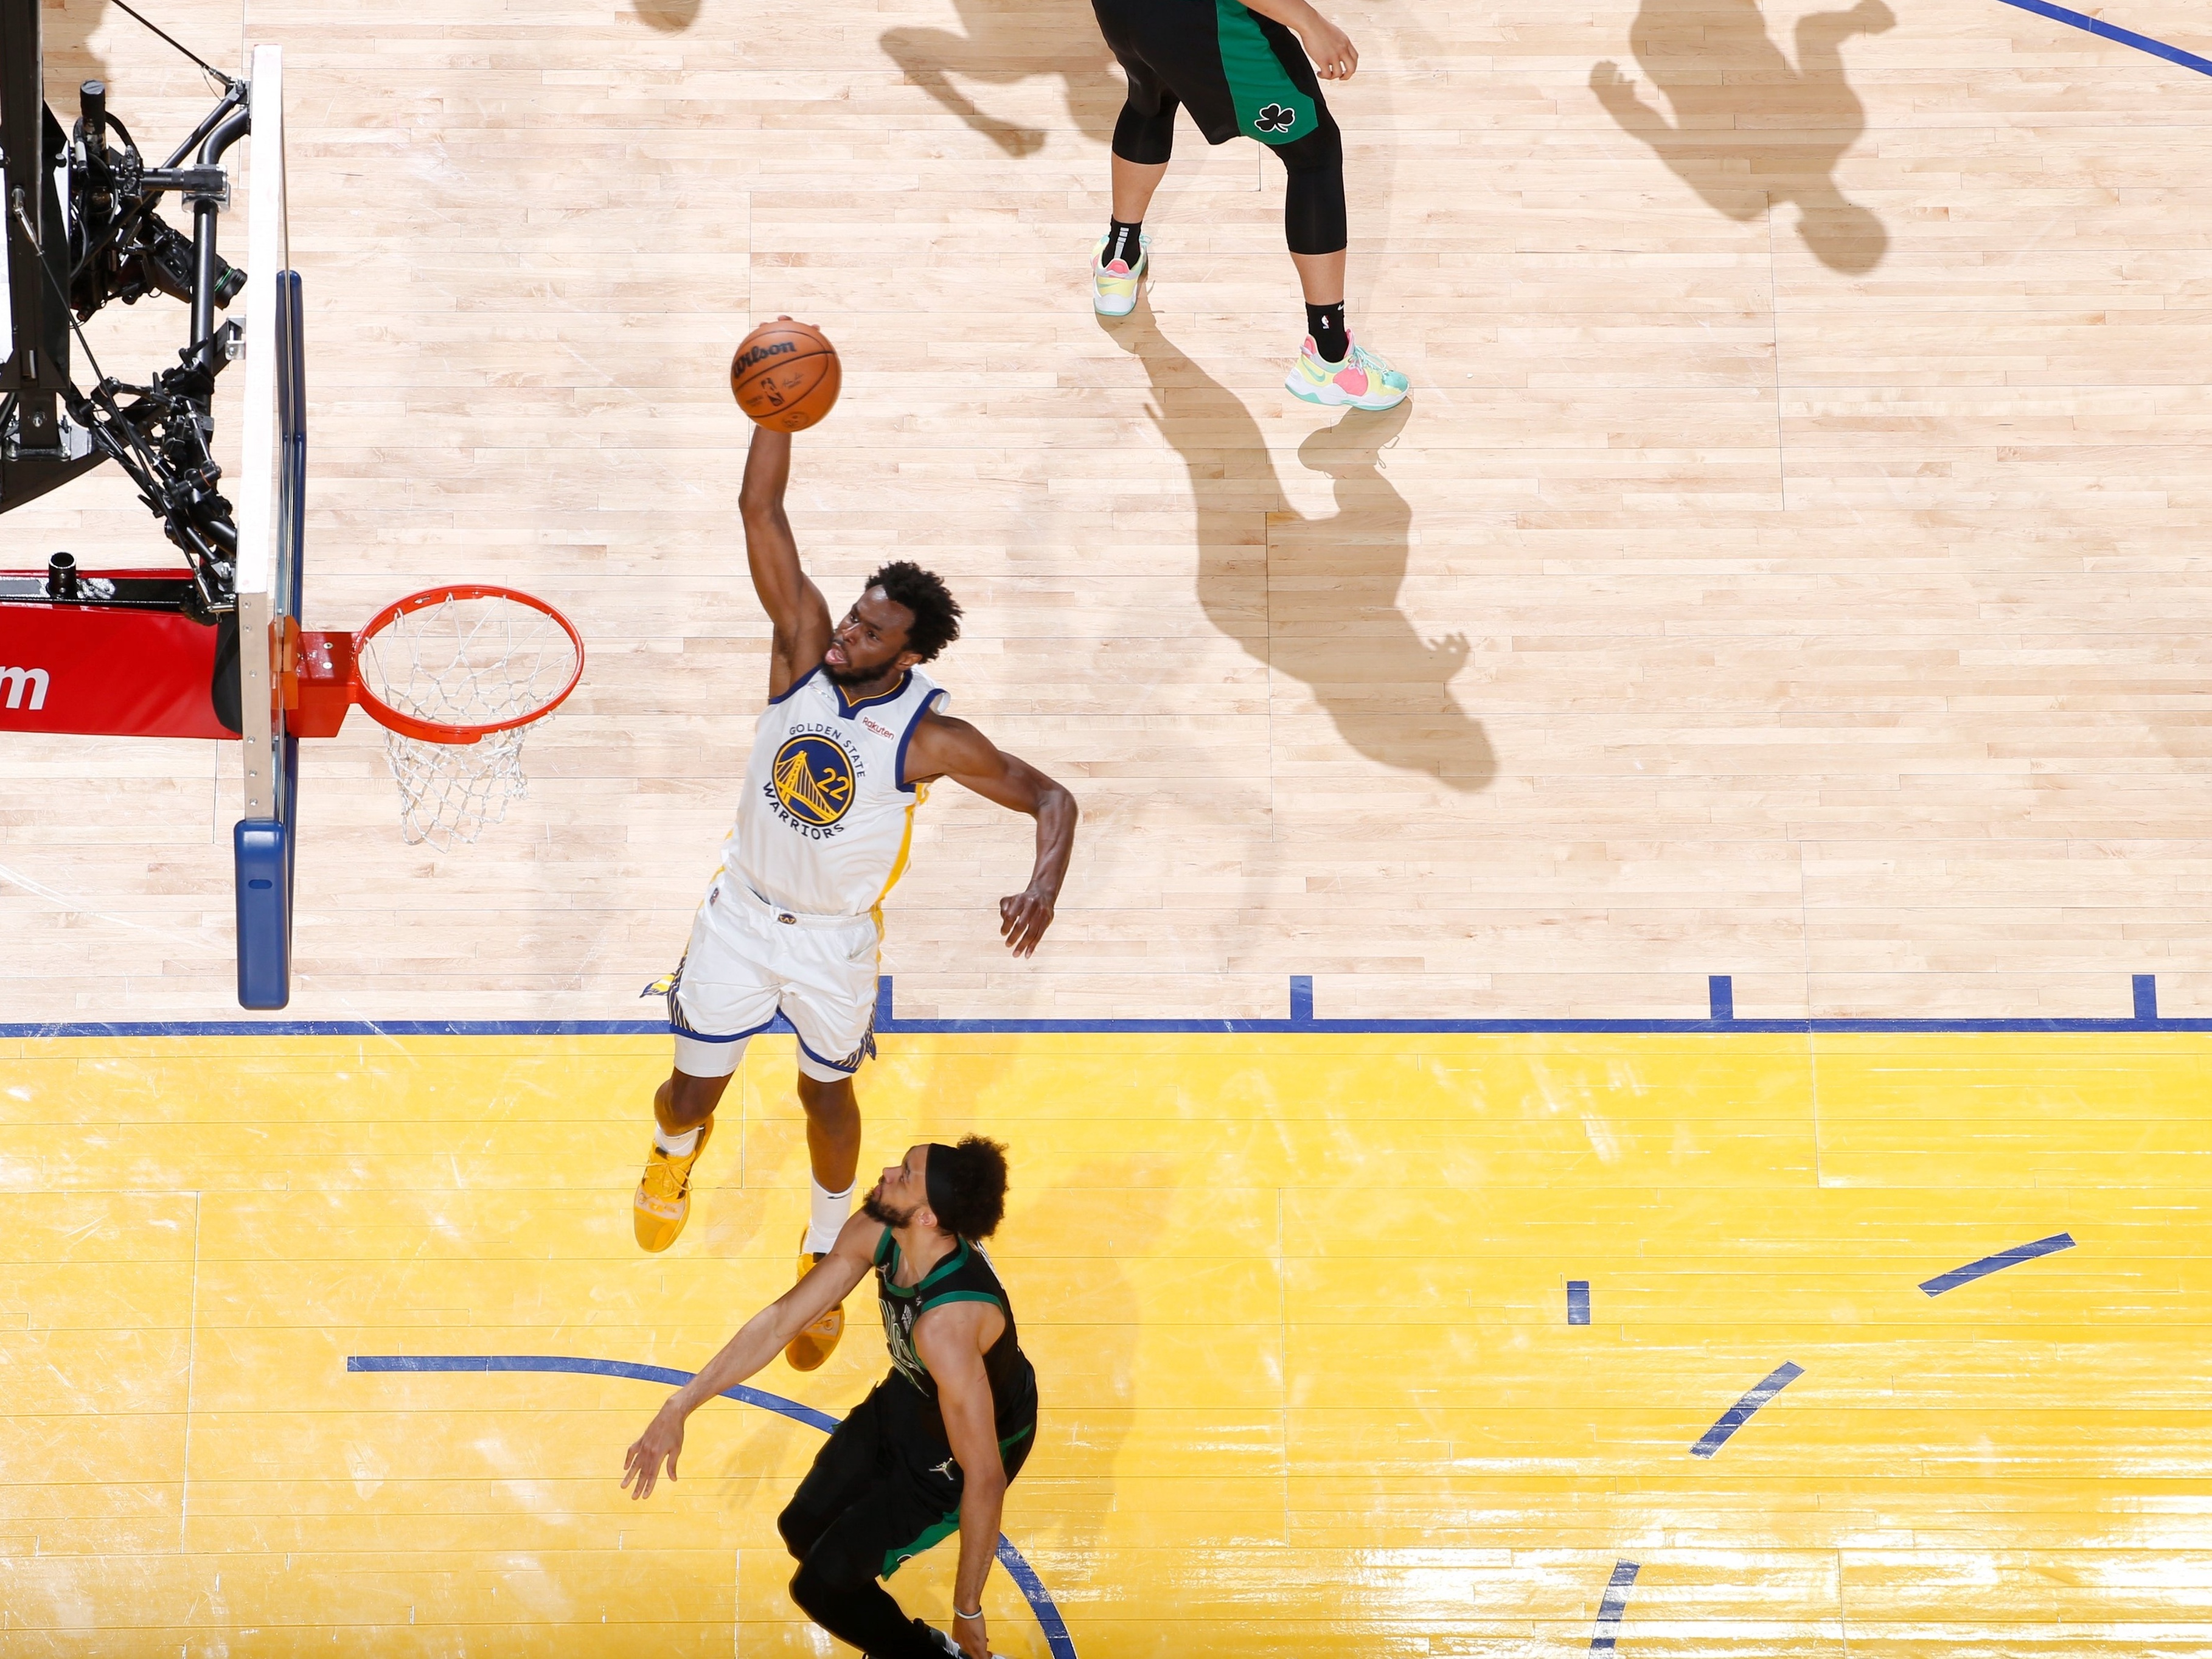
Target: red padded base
{"points": [[106, 672]]}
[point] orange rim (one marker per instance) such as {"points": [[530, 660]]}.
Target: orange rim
{"points": [[413, 726]]}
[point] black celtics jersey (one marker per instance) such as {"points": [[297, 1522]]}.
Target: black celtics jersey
{"points": [[966, 1275]]}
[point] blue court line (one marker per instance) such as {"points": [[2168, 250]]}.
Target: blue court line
{"points": [[1023, 1575], [486, 1028], [1120, 1027], [1740, 1413], [2105, 30], [1615, 1603], [1997, 1263], [1301, 1022], [1578, 1302]]}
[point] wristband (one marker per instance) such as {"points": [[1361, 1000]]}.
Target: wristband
{"points": [[957, 1613]]}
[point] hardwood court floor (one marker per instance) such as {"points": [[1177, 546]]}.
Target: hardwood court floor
{"points": [[1299, 1305], [1791, 565]]}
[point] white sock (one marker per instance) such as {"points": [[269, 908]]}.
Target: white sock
{"points": [[826, 1219], [680, 1145]]}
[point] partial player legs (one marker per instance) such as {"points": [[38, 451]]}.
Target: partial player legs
{"points": [[850, 1522], [835, 1586], [684, 1118], [1134, 184], [741, 969], [1331, 369], [685, 1101], [833, 1149], [833, 1140], [1321, 277], [1118, 263]]}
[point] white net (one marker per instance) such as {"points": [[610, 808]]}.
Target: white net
{"points": [[463, 661]]}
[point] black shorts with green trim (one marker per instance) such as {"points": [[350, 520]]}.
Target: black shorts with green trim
{"points": [[1236, 71], [876, 1496]]}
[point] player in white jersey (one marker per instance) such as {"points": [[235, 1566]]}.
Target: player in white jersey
{"points": [[852, 739]]}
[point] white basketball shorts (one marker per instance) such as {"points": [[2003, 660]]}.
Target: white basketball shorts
{"points": [[748, 959]]}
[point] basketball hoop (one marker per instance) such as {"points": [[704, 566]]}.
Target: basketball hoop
{"points": [[456, 676]]}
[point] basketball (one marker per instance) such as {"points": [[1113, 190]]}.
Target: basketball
{"points": [[786, 375]]}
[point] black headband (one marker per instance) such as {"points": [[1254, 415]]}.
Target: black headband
{"points": [[936, 1179]]}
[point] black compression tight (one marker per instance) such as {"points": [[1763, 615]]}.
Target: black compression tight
{"points": [[835, 1585], [1313, 206]]}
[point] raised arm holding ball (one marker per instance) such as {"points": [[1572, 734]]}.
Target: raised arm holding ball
{"points": [[852, 739]]}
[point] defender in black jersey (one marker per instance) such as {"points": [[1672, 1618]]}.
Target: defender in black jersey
{"points": [[1241, 66], [932, 1449]]}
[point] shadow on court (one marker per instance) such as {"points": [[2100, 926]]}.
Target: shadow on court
{"points": [[1005, 42], [669, 16], [1750, 131], [1314, 599], [65, 38]]}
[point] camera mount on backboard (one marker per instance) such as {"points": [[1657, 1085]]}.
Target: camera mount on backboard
{"points": [[84, 228]]}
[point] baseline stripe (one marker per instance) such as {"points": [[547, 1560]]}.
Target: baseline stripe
{"points": [[55, 1030], [1023, 1575], [1740, 1413], [1609, 1610], [1997, 1263], [2098, 27]]}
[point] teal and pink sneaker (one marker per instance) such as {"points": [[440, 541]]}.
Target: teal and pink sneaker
{"points": [[1361, 380], [1114, 287]]}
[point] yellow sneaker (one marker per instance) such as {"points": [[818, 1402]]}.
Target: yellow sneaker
{"points": [[663, 1202], [817, 1341]]}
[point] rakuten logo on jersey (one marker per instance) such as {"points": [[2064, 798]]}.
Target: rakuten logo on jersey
{"points": [[16, 682]]}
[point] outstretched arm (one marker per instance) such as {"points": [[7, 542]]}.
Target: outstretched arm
{"points": [[829, 1281], [947, 748], [796, 610]]}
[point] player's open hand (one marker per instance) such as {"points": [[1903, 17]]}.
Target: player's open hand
{"points": [[663, 1438], [1334, 56], [1023, 919]]}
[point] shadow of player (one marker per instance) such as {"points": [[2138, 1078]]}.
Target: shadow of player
{"points": [[66, 33], [1749, 131], [667, 16], [1314, 599], [1006, 43]]}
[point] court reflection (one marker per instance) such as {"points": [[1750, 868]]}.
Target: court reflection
{"points": [[1315, 598], [1750, 130], [1002, 42]]}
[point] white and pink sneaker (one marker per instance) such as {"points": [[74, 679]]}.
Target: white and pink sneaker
{"points": [[1114, 285], [1361, 380]]}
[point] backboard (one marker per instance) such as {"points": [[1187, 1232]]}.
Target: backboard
{"points": [[271, 502]]}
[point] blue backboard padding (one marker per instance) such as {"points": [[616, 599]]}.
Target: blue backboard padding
{"points": [[261, 848]]}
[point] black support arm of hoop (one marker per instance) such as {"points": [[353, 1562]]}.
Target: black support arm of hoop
{"points": [[83, 227]]}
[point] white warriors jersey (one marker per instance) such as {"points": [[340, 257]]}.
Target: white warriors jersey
{"points": [[824, 823]]}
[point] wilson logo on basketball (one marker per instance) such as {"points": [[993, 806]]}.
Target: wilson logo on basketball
{"points": [[18, 681], [761, 353], [813, 780]]}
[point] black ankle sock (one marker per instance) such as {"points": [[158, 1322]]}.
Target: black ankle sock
{"points": [[1326, 324], [1124, 242]]}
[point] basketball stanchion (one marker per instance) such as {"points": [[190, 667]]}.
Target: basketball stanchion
{"points": [[456, 676]]}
